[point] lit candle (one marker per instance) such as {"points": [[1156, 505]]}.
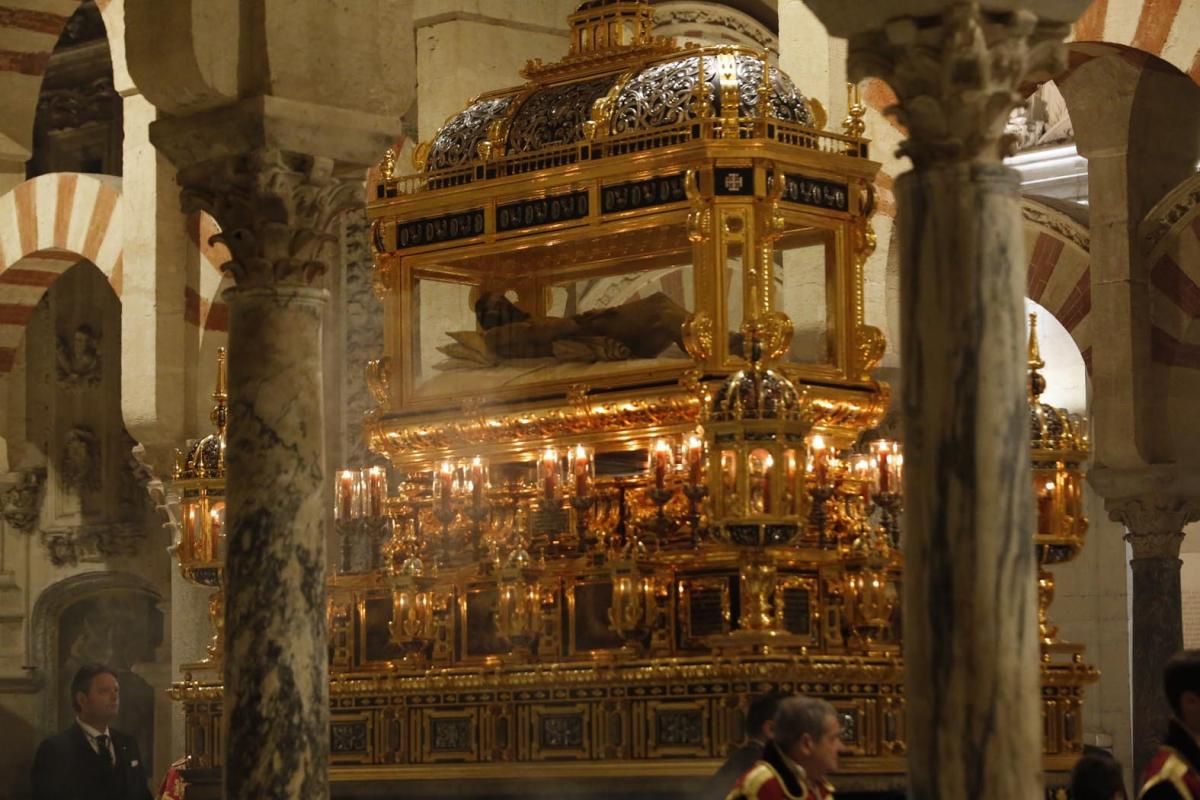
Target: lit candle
{"points": [[478, 479], [1045, 509], [695, 460], [376, 491], [343, 507], [768, 465], [660, 462], [215, 522], [549, 470], [581, 470], [445, 484], [883, 449], [819, 459]]}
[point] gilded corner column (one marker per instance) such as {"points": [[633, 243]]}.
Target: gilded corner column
{"points": [[276, 211], [970, 633], [1154, 529]]}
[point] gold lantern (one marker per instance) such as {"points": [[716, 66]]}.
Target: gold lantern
{"points": [[632, 611], [1060, 446], [518, 616], [199, 480], [756, 448], [412, 627]]}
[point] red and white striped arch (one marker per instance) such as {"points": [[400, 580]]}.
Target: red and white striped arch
{"points": [[1170, 235], [29, 29], [48, 225], [202, 308], [1059, 275], [1169, 29]]}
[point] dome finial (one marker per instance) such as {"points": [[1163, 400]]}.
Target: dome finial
{"points": [[1037, 383], [220, 395]]}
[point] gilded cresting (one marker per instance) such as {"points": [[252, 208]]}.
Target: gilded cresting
{"points": [[626, 393]]}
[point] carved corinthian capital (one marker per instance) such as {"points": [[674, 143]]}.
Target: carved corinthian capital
{"points": [[277, 212], [957, 75], [1154, 522]]}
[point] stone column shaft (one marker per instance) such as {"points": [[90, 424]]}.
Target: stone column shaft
{"points": [[970, 642], [276, 679], [1154, 520], [279, 213]]}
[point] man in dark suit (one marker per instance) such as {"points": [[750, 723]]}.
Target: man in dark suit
{"points": [[759, 724], [89, 760]]}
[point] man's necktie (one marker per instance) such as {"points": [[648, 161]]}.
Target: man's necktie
{"points": [[102, 746]]}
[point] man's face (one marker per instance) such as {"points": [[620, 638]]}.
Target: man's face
{"points": [[101, 702], [819, 756]]}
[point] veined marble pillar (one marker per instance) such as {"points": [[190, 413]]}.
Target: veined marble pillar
{"points": [[277, 212], [970, 635], [1154, 529]]}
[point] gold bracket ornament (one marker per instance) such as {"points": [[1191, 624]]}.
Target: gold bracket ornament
{"points": [[386, 268], [700, 218], [420, 156], [379, 380], [698, 336], [773, 332], [870, 344], [820, 115]]}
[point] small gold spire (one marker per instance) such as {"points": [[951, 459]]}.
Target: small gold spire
{"points": [[1037, 382], [387, 167], [853, 125], [220, 395], [1035, 353]]}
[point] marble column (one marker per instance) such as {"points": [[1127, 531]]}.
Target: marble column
{"points": [[970, 635], [278, 215], [1154, 529]]}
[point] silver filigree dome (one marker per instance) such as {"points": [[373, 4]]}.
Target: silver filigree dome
{"points": [[662, 94]]}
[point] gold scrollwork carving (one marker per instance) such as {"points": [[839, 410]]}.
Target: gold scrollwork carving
{"points": [[773, 331], [379, 380], [698, 336], [870, 345], [420, 156]]}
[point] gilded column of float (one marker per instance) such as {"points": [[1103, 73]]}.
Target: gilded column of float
{"points": [[970, 647]]}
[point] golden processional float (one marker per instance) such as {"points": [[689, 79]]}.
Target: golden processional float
{"points": [[627, 406]]}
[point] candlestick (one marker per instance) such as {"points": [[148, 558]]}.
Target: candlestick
{"points": [[1045, 509], [478, 480], [660, 462], [549, 474], [695, 460], [581, 471], [883, 449], [216, 527], [820, 458], [376, 491], [444, 485], [343, 507]]}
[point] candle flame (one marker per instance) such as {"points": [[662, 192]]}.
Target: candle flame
{"points": [[818, 442]]}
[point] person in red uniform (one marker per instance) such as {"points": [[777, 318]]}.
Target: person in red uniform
{"points": [[1174, 772], [796, 763]]}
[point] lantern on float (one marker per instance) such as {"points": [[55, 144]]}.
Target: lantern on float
{"points": [[756, 434]]}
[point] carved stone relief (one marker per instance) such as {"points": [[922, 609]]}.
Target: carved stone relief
{"points": [[79, 465], [21, 504], [1041, 120], [92, 543], [79, 362]]}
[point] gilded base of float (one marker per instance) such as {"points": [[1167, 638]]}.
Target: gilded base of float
{"points": [[673, 718]]}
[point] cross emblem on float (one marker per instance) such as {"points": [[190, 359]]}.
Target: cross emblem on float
{"points": [[733, 182]]}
